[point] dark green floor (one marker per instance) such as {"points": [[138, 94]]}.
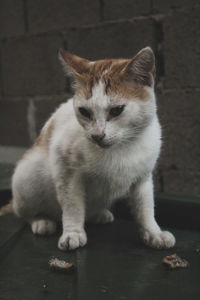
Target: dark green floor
{"points": [[113, 265]]}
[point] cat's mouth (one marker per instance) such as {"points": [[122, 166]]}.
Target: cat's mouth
{"points": [[101, 144]]}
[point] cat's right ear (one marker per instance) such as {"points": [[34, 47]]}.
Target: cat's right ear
{"points": [[74, 66]]}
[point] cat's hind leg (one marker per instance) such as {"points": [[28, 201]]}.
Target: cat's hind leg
{"points": [[42, 226], [104, 216], [34, 196]]}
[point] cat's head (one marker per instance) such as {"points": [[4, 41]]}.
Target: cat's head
{"points": [[114, 98]]}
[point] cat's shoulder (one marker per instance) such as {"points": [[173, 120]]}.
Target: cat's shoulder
{"points": [[63, 117]]}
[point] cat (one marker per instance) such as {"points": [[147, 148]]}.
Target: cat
{"points": [[99, 146]]}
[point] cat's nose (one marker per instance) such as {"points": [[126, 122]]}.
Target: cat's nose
{"points": [[98, 137]]}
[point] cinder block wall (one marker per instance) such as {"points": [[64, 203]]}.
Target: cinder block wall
{"points": [[32, 83]]}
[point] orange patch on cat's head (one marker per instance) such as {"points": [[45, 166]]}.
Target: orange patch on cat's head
{"points": [[124, 77]]}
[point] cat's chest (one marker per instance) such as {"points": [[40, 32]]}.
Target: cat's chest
{"points": [[112, 176]]}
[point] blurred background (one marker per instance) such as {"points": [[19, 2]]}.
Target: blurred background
{"points": [[32, 83]]}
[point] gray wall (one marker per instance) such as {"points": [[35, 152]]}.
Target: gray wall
{"points": [[32, 83]]}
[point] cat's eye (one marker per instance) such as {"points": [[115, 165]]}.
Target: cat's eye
{"points": [[85, 112], [116, 111]]}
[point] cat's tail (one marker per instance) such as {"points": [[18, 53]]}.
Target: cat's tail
{"points": [[6, 209]]}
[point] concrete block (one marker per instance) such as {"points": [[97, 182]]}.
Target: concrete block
{"points": [[11, 18], [8, 159], [180, 155], [112, 40], [182, 182], [117, 9], [165, 6], [181, 49], [48, 15], [13, 123], [31, 67]]}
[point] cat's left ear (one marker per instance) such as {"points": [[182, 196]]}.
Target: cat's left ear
{"points": [[142, 68]]}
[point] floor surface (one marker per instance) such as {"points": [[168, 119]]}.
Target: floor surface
{"points": [[113, 265]]}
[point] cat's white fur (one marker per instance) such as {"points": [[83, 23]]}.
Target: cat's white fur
{"points": [[76, 180]]}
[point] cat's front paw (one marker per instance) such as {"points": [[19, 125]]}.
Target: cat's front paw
{"points": [[72, 240], [159, 240]]}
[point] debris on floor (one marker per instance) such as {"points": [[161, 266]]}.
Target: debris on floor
{"points": [[56, 264], [174, 261], [45, 288]]}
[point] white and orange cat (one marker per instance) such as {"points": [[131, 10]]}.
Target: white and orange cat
{"points": [[99, 146]]}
